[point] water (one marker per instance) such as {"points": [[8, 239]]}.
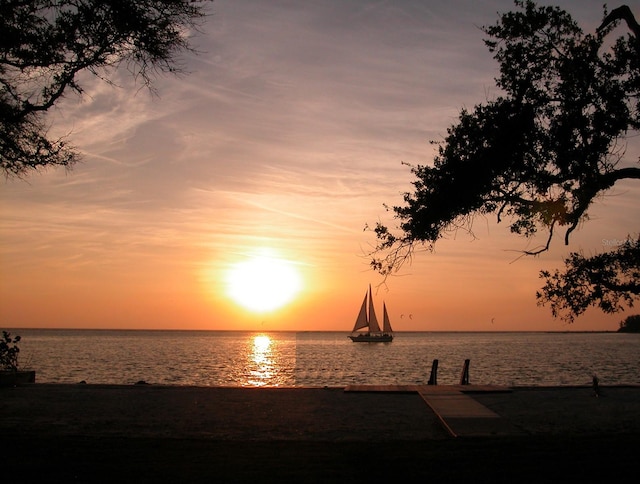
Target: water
{"points": [[317, 359]]}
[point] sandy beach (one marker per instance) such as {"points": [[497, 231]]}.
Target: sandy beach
{"points": [[148, 433]]}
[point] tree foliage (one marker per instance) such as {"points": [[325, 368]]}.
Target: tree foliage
{"points": [[46, 44], [631, 324], [9, 352], [539, 154], [609, 281]]}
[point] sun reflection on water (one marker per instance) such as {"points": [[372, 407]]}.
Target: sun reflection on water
{"points": [[262, 368]]}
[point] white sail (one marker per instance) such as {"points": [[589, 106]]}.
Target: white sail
{"points": [[374, 327], [361, 320], [386, 324]]}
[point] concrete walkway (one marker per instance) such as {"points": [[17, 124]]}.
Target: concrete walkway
{"points": [[460, 414]]}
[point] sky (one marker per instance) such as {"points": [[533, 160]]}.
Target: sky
{"points": [[286, 137]]}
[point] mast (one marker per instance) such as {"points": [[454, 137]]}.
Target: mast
{"points": [[374, 327]]}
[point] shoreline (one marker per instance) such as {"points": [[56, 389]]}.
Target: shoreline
{"points": [[346, 333]]}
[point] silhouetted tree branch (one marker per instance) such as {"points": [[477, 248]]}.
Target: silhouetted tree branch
{"points": [[540, 153], [609, 281], [45, 45], [621, 13]]}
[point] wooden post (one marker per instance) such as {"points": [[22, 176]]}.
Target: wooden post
{"points": [[433, 379], [464, 377], [596, 385]]}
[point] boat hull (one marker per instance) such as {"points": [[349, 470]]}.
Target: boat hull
{"points": [[372, 338]]}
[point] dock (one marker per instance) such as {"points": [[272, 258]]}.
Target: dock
{"points": [[459, 413]]}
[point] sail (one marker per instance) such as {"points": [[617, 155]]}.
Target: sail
{"points": [[361, 321], [374, 327], [367, 320], [386, 324]]}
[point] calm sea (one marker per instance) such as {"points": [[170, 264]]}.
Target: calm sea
{"points": [[317, 359]]}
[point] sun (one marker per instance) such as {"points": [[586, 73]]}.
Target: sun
{"points": [[263, 282]]}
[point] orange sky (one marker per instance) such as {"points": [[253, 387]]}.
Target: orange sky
{"points": [[288, 134]]}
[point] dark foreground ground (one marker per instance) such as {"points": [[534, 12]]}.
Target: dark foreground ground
{"points": [[122, 434]]}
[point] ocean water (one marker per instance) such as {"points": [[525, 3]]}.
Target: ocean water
{"points": [[317, 359]]}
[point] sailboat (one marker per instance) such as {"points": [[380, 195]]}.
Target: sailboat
{"points": [[367, 320]]}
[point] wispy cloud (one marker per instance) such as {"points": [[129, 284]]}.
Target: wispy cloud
{"points": [[290, 130]]}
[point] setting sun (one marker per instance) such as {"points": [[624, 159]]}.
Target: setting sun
{"points": [[263, 282]]}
